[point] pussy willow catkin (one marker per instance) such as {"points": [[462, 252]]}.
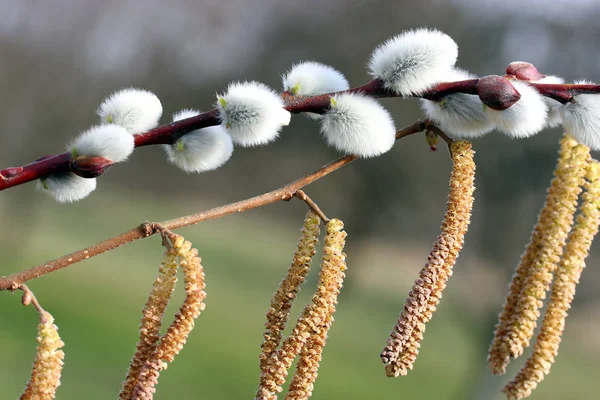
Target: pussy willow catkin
{"points": [[403, 346]]}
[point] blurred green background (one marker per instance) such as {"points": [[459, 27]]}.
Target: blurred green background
{"points": [[58, 60]]}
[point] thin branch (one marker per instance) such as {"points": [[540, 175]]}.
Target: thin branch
{"points": [[311, 204], [29, 298], [169, 133], [286, 192]]}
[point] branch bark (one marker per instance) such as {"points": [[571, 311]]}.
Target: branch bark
{"points": [[286, 192], [168, 133]]}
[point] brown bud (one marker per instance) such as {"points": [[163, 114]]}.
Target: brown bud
{"points": [[497, 92], [524, 71], [90, 167], [10, 172]]}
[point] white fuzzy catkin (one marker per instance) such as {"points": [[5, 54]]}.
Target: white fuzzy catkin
{"points": [[311, 78], [67, 187], [200, 150], [524, 118], [252, 113], [136, 110], [581, 118], [356, 124], [460, 115], [415, 60], [109, 141], [554, 119]]}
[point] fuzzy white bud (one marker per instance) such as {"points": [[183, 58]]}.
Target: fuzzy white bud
{"points": [[136, 110], [66, 187], [412, 62], [581, 118], [554, 119], [524, 118], [356, 124], [252, 113], [460, 115], [201, 150], [109, 141], [311, 78]]}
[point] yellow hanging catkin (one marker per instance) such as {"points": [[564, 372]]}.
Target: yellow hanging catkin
{"points": [[281, 302], [47, 368], [315, 320], [566, 278], [176, 335], [533, 276], [152, 316], [403, 345]]}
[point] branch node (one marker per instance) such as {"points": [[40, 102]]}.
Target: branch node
{"points": [[430, 127], [167, 236], [311, 204], [147, 229], [29, 298]]}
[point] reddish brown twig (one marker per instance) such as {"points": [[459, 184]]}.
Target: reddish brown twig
{"points": [[286, 192], [170, 132], [311, 204]]}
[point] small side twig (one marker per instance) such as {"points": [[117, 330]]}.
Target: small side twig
{"points": [[146, 229], [312, 205], [430, 127], [29, 298]]}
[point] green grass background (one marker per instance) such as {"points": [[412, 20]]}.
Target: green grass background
{"points": [[97, 306]]}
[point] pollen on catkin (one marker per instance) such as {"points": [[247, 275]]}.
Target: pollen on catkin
{"points": [[315, 320], [581, 118], [66, 187], [281, 302], [200, 150], [413, 61], [532, 278], [460, 115], [252, 113], [176, 335], [108, 141], [402, 347], [567, 276], [524, 118], [47, 368], [136, 110], [357, 124], [152, 316]]}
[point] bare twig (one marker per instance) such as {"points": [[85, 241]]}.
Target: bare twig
{"points": [[286, 192], [311, 204], [29, 298]]}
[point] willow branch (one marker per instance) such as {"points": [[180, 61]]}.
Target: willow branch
{"points": [[169, 133], [286, 192]]}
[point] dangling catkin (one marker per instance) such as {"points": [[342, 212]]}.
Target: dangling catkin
{"points": [[566, 278], [152, 316], [533, 276], [176, 335], [403, 345], [281, 302], [315, 320], [47, 368]]}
